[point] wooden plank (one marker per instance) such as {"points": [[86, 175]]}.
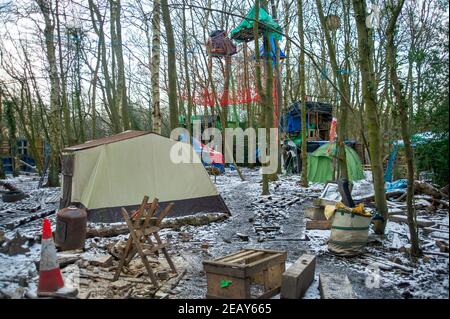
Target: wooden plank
{"points": [[270, 251], [235, 255], [165, 253], [124, 256], [150, 230], [238, 289], [322, 202], [259, 265], [150, 250], [165, 212], [275, 275], [264, 260], [236, 271], [319, 224], [246, 257], [223, 264], [151, 211], [335, 286], [141, 208], [315, 213]]}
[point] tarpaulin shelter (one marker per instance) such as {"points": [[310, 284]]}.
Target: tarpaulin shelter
{"points": [[208, 155], [273, 51], [318, 115], [244, 31], [320, 164], [219, 45], [106, 174]]}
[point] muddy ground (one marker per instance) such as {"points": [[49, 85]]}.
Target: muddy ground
{"points": [[283, 210]]}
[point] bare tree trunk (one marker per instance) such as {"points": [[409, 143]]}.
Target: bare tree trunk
{"points": [[304, 152], [2, 171], [122, 100], [55, 93], [94, 94], [262, 94], [223, 109], [64, 102], [402, 109], [344, 106], [156, 51], [98, 24], [186, 73], [287, 84], [268, 109], [279, 93], [365, 49], [171, 66], [77, 35]]}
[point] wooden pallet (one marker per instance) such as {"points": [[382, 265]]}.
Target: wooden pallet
{"points": [[231, 277]]}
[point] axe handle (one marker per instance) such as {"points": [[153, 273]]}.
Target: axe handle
{"points": [[345, 193]]}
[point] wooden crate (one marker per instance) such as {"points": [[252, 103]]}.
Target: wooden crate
{"points": [[244, 270]]}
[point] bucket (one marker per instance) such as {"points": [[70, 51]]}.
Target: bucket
{"points": [[349, 233]]}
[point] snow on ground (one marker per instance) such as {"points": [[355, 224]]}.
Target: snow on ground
{"points": [[282, 212]]}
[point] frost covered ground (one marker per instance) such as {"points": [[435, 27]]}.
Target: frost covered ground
{"points": [[282, 212]]}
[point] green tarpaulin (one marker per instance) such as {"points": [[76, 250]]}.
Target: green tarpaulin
{"points": [[246, 26], [320, 164]]}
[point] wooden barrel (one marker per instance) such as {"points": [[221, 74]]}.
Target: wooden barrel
{"points": [[71, 228]]}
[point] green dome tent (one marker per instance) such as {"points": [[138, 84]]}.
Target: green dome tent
{"points": [[320, 164]]}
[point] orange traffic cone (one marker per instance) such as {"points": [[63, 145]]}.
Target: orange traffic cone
{"points": [[50, 278]]}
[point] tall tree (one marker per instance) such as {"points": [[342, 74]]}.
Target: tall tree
{"points": [[122, 99], [365, 51], [156, 51], [403, 117], [343, 91], [264, 98], [98, 23], [171, 66], [304, 149], [186, 72], [64, 101], [45, 7]]}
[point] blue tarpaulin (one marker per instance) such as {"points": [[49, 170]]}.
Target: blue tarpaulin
{"points": [[202, 153], [399, 184], [293, 116], [273, 51], [390, 166]]}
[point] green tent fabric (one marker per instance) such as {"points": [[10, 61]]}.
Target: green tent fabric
{"points": [[320, 164], [247, 25]]}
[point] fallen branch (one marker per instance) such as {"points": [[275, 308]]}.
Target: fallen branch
{"points": [[194, 220], [421, 222], [178, 279], [426, 188], [436, 253], [391, 263], [444, 203]]}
